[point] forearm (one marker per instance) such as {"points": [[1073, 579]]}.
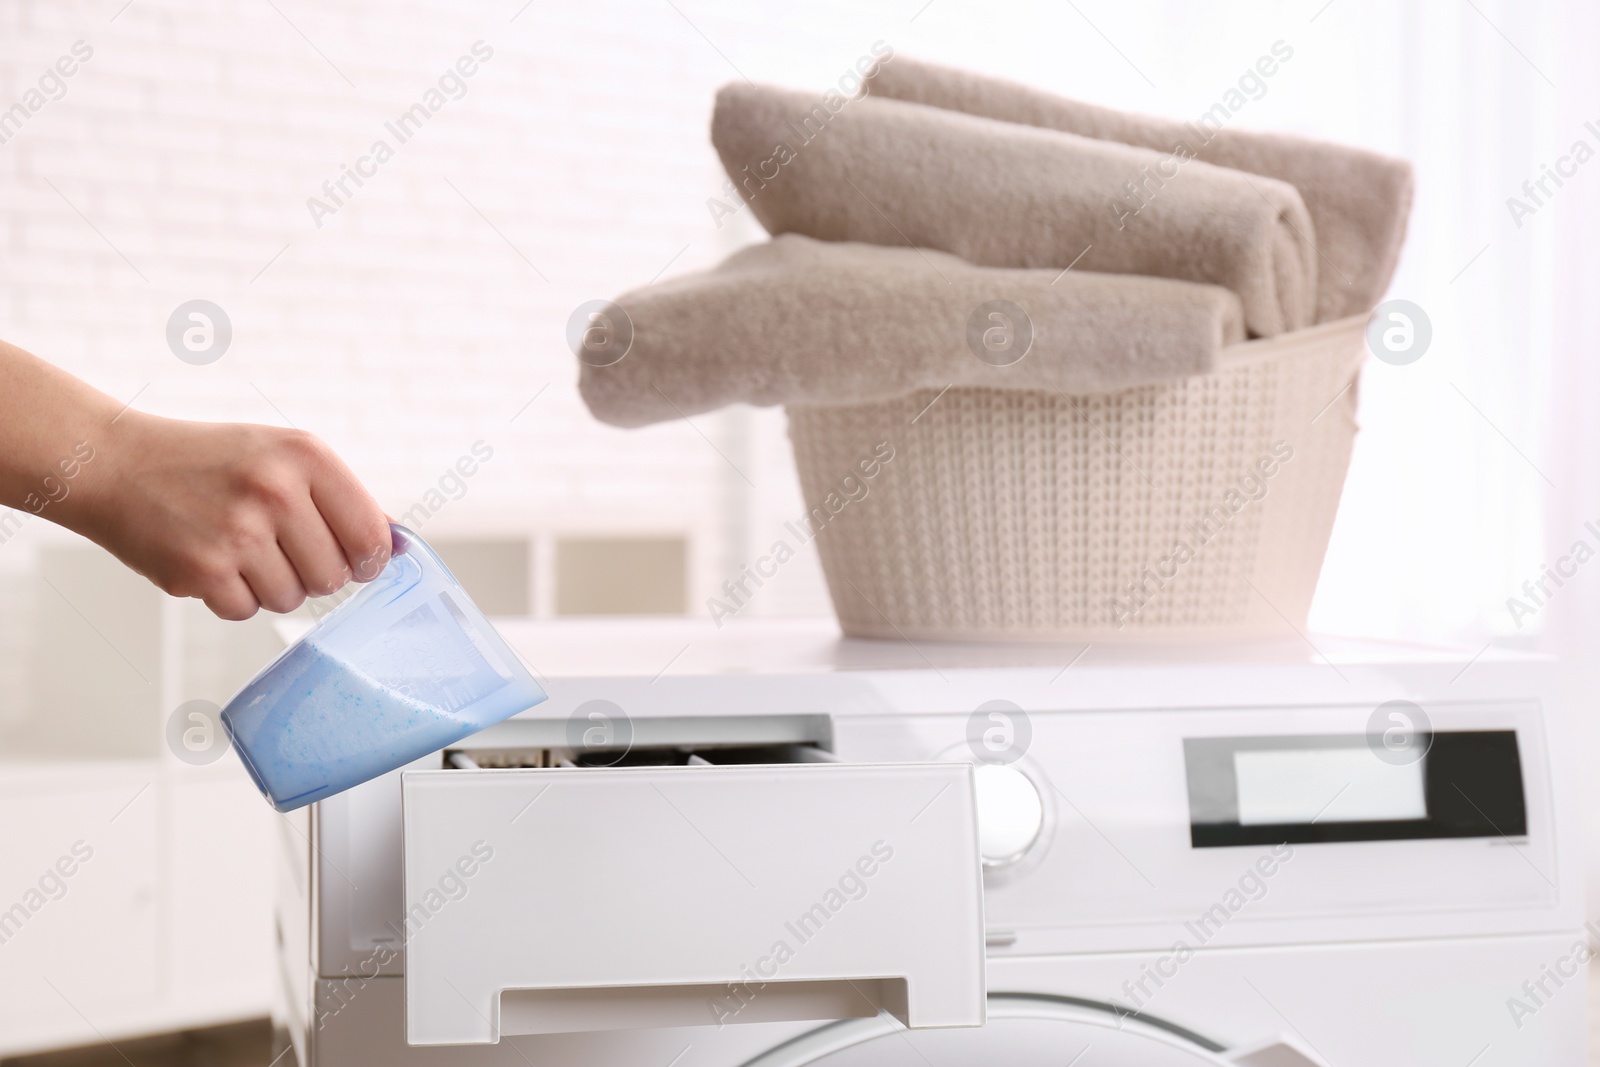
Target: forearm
{"points": [[51, 427]]}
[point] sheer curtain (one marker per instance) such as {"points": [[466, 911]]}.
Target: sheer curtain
{"points": [[1457, 474]]}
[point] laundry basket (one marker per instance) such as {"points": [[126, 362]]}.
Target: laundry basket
{"points": [[1198, 508]]}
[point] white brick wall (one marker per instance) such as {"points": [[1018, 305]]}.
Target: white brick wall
{"points": [[406, 328]]}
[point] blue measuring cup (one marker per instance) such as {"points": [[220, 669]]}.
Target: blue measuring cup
{"points": [[403, 668]]}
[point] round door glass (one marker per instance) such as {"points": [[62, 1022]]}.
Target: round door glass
{"points": [[1023, 1031]]}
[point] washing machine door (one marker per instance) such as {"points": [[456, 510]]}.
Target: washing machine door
{"points": [[1022, 1031]]}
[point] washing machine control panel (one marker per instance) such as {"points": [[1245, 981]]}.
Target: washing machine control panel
{"points": [[1242, 821]]}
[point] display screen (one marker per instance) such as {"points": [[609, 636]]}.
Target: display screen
{"points": [[1325, 788], [1336, 784]]}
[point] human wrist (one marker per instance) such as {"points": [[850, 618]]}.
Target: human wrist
{"points": [[48, 420], [98, 474]]}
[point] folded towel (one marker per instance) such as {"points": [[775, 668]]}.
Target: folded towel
{"points": [[1001, 194], [798, 321], [1359, 201]]}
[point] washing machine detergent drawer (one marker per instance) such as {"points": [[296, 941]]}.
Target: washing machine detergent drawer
{"points": [[567, 899]]}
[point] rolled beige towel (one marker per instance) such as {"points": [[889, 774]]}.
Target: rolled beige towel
{"points": [[1001, 194], [1359, 201], [799, 321]]}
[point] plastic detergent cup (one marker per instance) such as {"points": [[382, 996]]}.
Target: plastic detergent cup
{"points": [[403, 668]]}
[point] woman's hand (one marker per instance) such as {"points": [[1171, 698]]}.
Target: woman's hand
{"points": [[236, 515]]}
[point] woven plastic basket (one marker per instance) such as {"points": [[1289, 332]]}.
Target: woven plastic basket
{"points": [[1198, 508]]}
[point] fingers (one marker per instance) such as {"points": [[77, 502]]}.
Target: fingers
{"points": [[325, 531], [272, 578], [316, 555], [239, 516], [370, 564], [232, 600], [354, 518]]}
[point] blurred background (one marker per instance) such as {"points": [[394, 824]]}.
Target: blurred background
{"points": [[421, 318]]}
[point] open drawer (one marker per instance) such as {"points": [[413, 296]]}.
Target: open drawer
{"points": [[550, 899]]}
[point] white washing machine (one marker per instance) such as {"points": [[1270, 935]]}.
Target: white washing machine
{"points": [[763, 845]]}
